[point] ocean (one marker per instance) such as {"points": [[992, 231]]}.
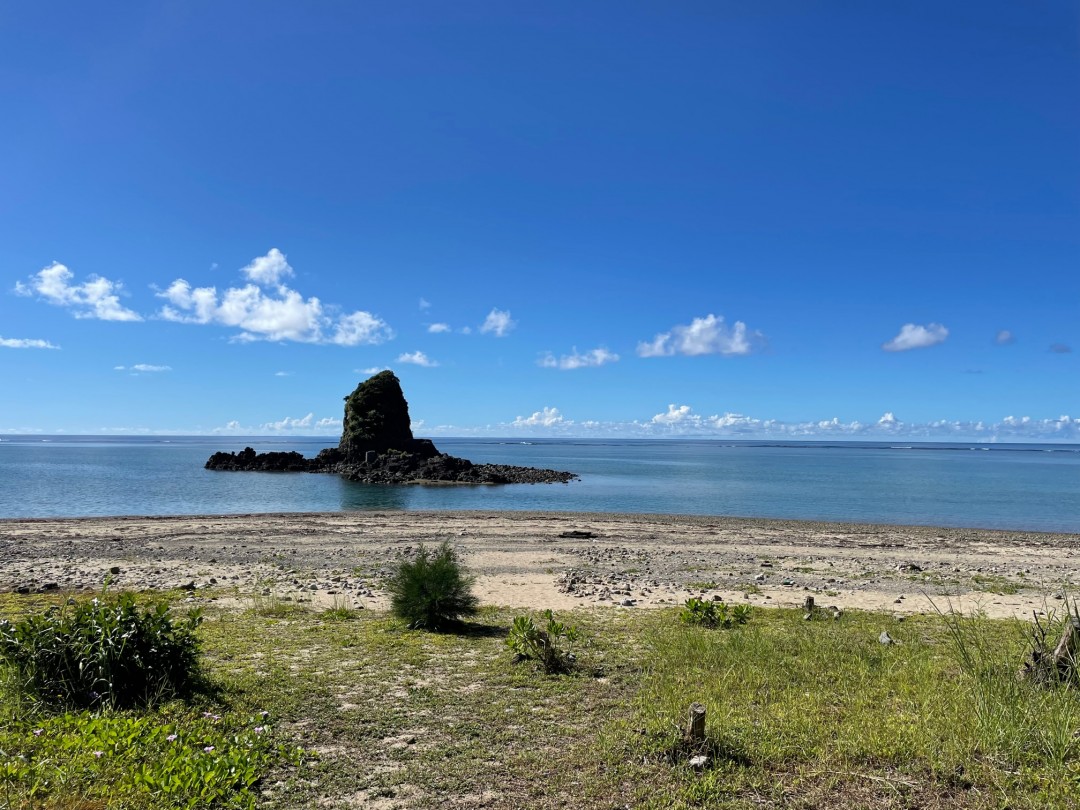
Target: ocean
{"points": [[1007, 486]]}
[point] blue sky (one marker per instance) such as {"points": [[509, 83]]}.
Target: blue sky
{"points": [[804, 220]]}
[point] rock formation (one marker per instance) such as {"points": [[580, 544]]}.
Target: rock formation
{"points": [[377, 447]]}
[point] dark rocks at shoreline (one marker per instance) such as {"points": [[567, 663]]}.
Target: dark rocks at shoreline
{"points": [[247, 460], [392, 467], [377, 447]]}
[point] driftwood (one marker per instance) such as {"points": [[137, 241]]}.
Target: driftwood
{"points": [[1061, 665]]}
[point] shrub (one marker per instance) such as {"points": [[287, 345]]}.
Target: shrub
{"points": [[714, 614], [102, 652], [550, 646], [433, 591]]}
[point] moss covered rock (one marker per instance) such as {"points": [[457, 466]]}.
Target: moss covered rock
{"points": [[376, 418]]}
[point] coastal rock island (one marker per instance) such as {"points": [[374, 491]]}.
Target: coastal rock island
{"points": [[378, 447]]}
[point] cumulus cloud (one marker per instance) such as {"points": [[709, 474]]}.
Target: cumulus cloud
{"points": [[1060, 348], [424, 304], [590, 359], [276, 314], [143, 367], [290, 423], [417, 358], [97, 297], [548, 417], [268, 270], [1004, 337], [438, 328], [708, 335], [681, 420], [26, 343], [676, 414], [915, 336], [498, 323]]}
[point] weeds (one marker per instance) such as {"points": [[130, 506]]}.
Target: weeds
{"points": [[706, 613], [103, 652], [550, 646]]}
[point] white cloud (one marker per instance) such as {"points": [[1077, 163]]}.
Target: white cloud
{"points": [[424, 304], [417, 358], [548, 417], [279, 314], [1004, 337], [282, 373], [437, 328], [498, 323], [290, 423], [269, 269], [26, 343], [142, 367], [361, 327], [97, 297], [915, 336], [676, 414], [328, 422], [372, 370], [708, 335], [590, 359]]}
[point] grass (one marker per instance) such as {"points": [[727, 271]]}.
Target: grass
{"points": [[800, 715]]}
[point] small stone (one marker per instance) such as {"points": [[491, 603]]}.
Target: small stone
{"points": [[627, 602], [188, 586], [115, 569], [700, 761], [788, 582], [759, 578], [885, 638]]}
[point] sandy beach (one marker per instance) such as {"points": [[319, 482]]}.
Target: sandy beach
{"points": [[527, 559]]}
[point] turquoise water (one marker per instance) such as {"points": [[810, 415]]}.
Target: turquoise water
{"points": [[1035, 487]]}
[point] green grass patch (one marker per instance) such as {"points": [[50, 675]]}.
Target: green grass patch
{"points": [[800, 715], [993, 583]]}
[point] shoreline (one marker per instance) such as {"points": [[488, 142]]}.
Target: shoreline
{"points": [[632, 561]]}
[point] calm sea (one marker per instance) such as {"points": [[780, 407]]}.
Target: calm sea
{"points": [[1012, 486]]}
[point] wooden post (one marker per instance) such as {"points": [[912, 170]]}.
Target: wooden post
{"points": [[695, 727], [808, 606]]}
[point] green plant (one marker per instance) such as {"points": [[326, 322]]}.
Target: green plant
{"points": [[713, 614], [550, 646], [102, 652], [175, 758], [433, 591]]}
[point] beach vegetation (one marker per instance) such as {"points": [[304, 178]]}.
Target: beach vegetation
{"points": [[106, 651], [799, 714], [705, 585], [550, 644], [713, 614], [995, 583], [432, 591]]}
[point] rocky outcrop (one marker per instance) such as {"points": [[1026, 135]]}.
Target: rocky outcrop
{"points": [[377, 447], [377, 420]]}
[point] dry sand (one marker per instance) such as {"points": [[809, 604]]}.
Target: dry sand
{"points": [[520, 559]]}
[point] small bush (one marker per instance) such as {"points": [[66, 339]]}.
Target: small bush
{"points": [[550, 647], [713, 614], [102, 652], [433, 591]]}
